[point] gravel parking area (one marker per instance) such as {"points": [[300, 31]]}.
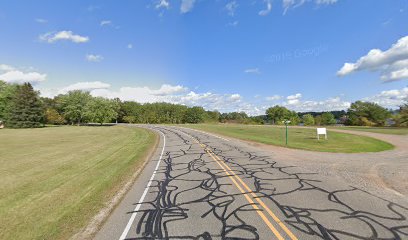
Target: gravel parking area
{"points": [[384, 173]]}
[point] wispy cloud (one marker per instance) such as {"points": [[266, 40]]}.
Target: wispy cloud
{"points": [[41, 20], [92, 8], [252, 70], [105, 23], [268, 8], [52, 37], [93, 58], [187, 6], [231, 7], [233, 24], [162, 4], [288, 4]]}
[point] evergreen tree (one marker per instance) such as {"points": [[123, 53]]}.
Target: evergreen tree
{"points": [[26, 108], [7, 92]]}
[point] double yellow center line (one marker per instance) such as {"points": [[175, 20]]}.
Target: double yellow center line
{"points": [[248, 194]]}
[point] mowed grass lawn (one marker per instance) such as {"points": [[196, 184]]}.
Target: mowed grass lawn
{"points": [[300, 138], [54, 180], [383, 130]]}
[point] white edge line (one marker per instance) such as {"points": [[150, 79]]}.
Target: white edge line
{"points": [[139, 204]]}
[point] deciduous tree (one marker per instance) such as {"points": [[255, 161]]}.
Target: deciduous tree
{"points": [[308, 120], [403, 116], [328, 119], [367, 113], [279, 114], [194, 115], [100, 110], [53, 117], [73, 105]]}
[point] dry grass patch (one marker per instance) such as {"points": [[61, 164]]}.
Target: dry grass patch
{"points": [[53, 180]]}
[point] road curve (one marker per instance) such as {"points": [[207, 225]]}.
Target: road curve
{"points": [[200, 186]]}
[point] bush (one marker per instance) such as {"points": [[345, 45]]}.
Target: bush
{"points": [[53, 117]]}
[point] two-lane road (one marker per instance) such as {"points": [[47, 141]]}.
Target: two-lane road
{"points": [[200, 186]]}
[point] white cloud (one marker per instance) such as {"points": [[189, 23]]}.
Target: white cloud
{"points": [[63, 35], [163, 4], [392, 63], [231, 7], [4, 67], [21, 77], [129, 46], [273, 98], [11, 74], [391, 98], [167, 89], [235, 97], [85, 86], [105, 23], [187, 6], [178, 94], [268, 8], [41, 20], [93, 58], [252, 70], [293, 99], [295, 103], [166, 93]]}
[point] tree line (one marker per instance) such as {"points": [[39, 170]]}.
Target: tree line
{"points": [[22, 107]]}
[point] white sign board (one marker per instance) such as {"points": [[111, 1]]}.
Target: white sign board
{"points": [[321, 131]]}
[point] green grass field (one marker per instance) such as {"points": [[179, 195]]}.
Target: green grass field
{"points": [[54, 180], [300, 138], [383, 130]]}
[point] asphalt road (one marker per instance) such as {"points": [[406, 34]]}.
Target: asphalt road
{"points": [[200, 186]]}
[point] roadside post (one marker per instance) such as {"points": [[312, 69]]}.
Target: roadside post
{"points": [[286, 122]]}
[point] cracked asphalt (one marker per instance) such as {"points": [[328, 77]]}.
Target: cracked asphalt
{"points": [[200, 186]]}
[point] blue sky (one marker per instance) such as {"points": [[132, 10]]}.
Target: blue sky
{"points": [[228, 55]]}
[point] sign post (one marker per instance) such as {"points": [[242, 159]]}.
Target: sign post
{"points": [[321, 131], [286, 123]]}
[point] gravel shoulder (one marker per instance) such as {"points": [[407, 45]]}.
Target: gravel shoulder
{"points": [[383, 173]]}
